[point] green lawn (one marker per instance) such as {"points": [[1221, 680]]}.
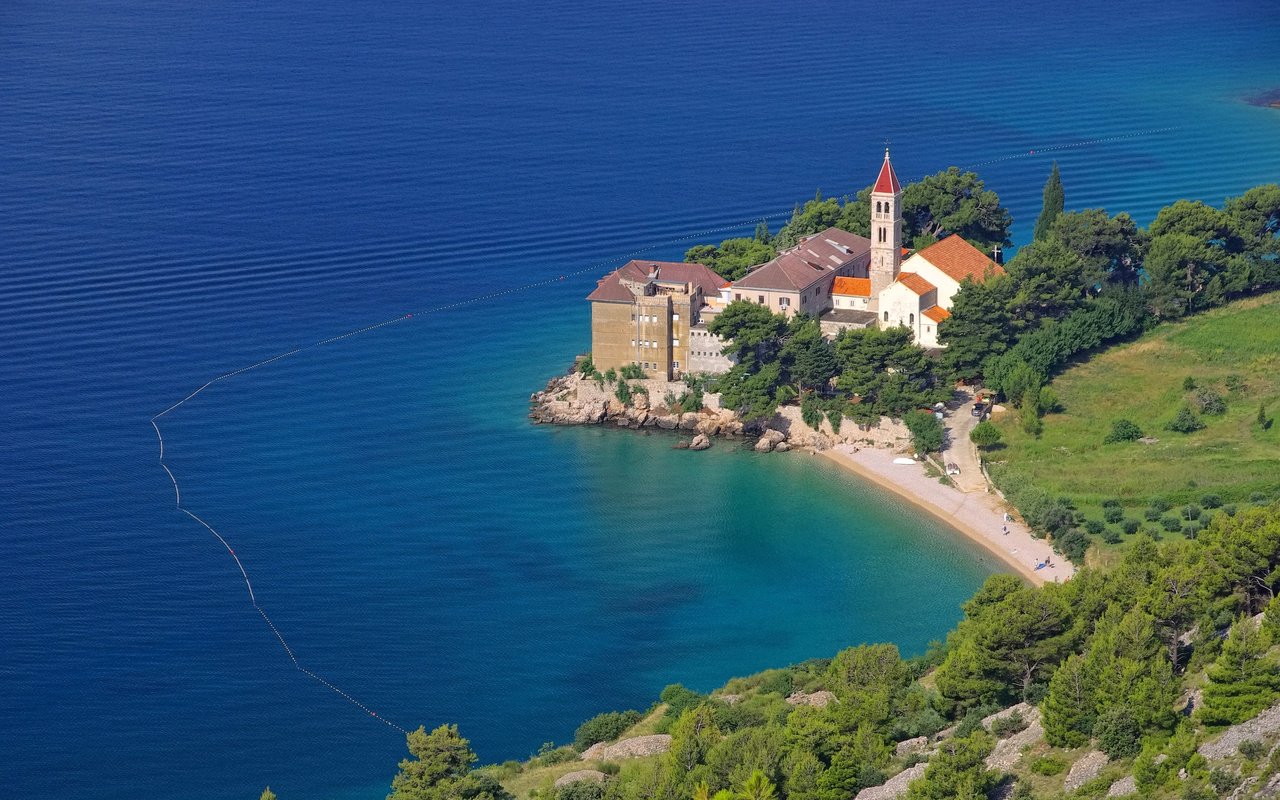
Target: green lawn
{"points": [[1233, 457]]}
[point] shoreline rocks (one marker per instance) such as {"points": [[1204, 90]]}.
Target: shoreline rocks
{"points": [[574, 399]]}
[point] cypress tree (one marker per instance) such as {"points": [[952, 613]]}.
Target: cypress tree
{"points": [[1054, 202]]}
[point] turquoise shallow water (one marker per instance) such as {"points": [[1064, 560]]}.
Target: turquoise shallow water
{"points": [[188, 189]]}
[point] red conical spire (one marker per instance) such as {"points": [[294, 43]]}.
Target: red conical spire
{"points": [[887, 182]]}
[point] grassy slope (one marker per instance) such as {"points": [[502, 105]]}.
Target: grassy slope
{"points": [[1233, 457]]}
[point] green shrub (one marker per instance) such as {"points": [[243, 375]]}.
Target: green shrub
{"points": [[1211, 501], [585, 365], [1222, 781], [1192, 511], [679, 699], [926, 430], [1095, 526], [1257, 497], [604, 728], [1118, 734], [1161, 504], [1113, 514], [632, 372], [1252, 749], [1129, 526], [1185, 421], [1123, 430], [985, 435], [1191, 530], [1048, 765], [580, 790], [1008, 725], [1111, 536], [1151, 514], [1188, 384], [1112, 502], [1171, 524], [1229, 510], [1235, 383], [1072, 543]]}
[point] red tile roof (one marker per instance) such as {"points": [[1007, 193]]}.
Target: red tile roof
{"points": [[936, 313], [786, 273], [915, 283], [959, 259], [611, 290], [857, 287], [815, 257], [887, 181]]}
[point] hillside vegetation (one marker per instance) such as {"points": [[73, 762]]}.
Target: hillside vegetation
{"points": [[1232, 353]]}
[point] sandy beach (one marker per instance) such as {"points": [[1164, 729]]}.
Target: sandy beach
{"points": [[977, 514]]}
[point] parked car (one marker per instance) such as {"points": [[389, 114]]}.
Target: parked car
{"points": [[979, 409]]}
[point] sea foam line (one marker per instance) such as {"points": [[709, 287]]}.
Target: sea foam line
{"points": [[155, 420]]}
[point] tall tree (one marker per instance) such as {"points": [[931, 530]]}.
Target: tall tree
{"points": [[1111, 249], [978, 328], [1054, 202], [439, 769], [958, 202], [1048, 281], [1244, 680]]}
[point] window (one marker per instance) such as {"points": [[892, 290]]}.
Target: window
{"points": [[886, 316], [675, 364], [912, 318], [737, 296], [877, 206], [675, 317], [675, 342], [783, 302], [760, 297]]}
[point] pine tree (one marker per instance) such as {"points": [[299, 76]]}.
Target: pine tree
{"points": [[267, 794], [1054, 202], [1243, 681]]}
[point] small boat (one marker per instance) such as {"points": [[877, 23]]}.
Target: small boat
{"points": [[904, 460]]}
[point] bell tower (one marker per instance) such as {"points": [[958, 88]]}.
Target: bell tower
{"points": [[886, 231]]}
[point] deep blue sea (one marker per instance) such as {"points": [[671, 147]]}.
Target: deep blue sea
{"points": [[187, 188]]}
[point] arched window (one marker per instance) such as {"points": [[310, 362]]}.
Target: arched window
{"points": [[877, 206], [911, 318], [886, 316]]}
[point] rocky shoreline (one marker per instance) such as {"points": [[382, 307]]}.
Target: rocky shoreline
{"points": [[575, 399]]}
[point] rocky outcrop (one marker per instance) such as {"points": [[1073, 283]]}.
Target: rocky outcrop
{"points": [[592, 775], [819, 699], [575, 400], [1228, 744], [916, 745], [1027, 711], [635, 747], [769, 440], [895, 787], [1085, 770], [700, 442], [1008, 751], [1123, 787]]}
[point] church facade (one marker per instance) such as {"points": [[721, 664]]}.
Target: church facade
{"points": [[914, 293]]}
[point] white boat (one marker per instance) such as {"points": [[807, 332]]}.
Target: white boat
{"points": [[904, 460]]}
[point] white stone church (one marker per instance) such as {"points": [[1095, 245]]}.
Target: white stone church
{"points": [[915, 293]]}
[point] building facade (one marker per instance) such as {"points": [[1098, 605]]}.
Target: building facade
{"points": [[642, 313]]}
